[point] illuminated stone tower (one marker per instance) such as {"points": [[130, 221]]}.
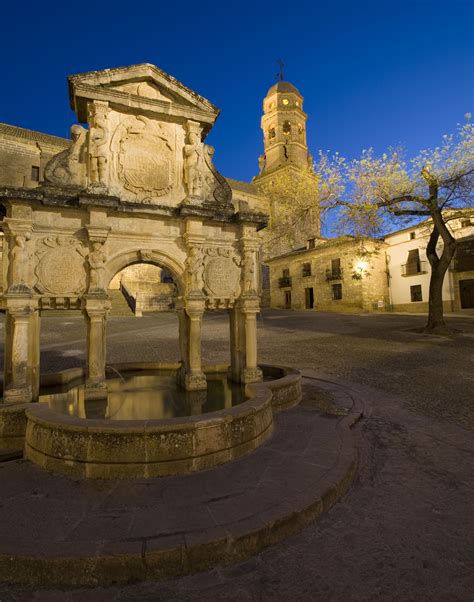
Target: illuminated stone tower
{"points": [[284, 129], [285, 148]]}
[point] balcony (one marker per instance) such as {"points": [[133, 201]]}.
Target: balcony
{"points": [[412, 269], [334, 274], [284, 282], [306, 273]]}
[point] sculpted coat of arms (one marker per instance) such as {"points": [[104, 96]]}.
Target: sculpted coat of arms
{"points": [[222, 273], [144, 156]]}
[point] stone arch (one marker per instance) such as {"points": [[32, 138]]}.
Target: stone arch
{"points": [[154, 257]]}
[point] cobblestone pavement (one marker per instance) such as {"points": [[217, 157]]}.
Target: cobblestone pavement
{"points": [[405, 529]]}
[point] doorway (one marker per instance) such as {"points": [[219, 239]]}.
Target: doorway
{"points": [[309, 298], [466, 291], [287, 299]]}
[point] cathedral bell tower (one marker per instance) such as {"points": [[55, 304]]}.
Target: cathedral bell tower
{"points": [[284, 130], [286, 152]]}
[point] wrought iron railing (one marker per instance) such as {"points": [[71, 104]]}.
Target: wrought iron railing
{"points": [[334, 274], [411, 269], [284, 282]]}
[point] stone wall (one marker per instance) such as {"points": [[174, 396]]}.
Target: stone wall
{"points": [[21, 150]]}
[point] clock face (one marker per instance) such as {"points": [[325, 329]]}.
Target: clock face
{"points": [[285, 101]]}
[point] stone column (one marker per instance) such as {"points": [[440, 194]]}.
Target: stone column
{"points": [[250, 372], [95, 311], [21, 366], [237, 344], [191, 376]]}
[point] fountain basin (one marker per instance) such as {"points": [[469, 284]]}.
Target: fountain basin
{"points": [[101, 448]]}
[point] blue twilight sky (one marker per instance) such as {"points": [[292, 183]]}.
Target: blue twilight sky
{"points": [[373, 72]]}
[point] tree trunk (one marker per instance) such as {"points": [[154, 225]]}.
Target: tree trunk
{"points": [[436, 321], [439, 267]]}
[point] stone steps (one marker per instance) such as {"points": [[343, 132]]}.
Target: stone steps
{"points": [[120, 307]]}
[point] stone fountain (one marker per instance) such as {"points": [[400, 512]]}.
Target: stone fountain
{"points": [[136, 185]]}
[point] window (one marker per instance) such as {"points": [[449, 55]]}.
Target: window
{"points": [[35, 173], [285, 101], [306, 269], [465, 223], [286, 128], [336, 292], [415, 293], [311, 243], [413, 265], [286, 273], [271, 131], [297, 103], [412, 235]]}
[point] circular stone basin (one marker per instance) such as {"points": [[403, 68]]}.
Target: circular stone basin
{"points": [[143, 433]]}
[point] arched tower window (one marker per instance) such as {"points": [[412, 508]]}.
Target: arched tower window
{"points": [[271, 131], [286, 128]]}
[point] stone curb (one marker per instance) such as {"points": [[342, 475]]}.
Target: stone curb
{"points": [[168, 556]]}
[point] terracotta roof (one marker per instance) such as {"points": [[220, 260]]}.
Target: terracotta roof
{"points": [[24, 134]]}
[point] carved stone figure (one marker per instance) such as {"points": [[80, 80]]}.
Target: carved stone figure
{"points": [[20, 262], [98, 151], [195, 269], [68, 168], [193, 162], [248, 273], [96, 261]]}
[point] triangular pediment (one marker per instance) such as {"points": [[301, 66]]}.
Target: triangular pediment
{"points": [[144, 87]]}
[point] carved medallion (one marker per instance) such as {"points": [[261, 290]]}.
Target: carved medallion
{"points": [[222, 273], [60, 270]]}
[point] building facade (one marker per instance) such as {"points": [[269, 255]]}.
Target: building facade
{"points": [[410, 270], [341, 274]]}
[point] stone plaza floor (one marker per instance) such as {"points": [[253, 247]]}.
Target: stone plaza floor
{"points": [[404, 530]]}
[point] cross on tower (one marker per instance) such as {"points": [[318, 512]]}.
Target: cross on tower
{"points": [[280, 73]]}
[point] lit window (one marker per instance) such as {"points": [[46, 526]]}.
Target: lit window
{"points": [[285, 101], [271, 105], [415, 293], [35, 173], [297, 103]]}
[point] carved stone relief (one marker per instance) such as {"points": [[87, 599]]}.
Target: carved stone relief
{"points": [[60, 270], [144, 157], [222, 272], [68, 168]]}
